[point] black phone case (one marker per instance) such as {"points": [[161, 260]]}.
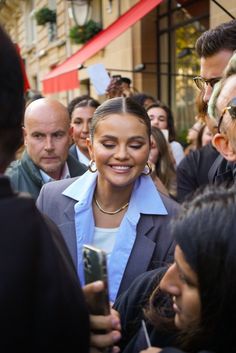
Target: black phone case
{"points": [[95, 269]]}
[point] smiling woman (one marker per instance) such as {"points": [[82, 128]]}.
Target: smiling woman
{"points": [[115, 205], [81, 111]]}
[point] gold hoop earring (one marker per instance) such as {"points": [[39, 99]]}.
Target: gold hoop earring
{"points": [[91, 165], [147, 169]]}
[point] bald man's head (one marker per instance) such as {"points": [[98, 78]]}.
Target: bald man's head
{"points": [[46, 107], [47, 135]]}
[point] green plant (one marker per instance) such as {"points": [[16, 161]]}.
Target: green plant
{"points": [[45, 15], [81, 34], [182, 137]]}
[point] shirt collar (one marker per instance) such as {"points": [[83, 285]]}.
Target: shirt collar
{"points": [[153, 204], [64, 175], [80, 188], [146, 198], [81, 156]]}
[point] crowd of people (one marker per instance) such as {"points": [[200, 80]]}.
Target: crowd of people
{"points": [[113, 175]]}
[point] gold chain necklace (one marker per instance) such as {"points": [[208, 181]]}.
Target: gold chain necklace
{"points": [[110, 212]]}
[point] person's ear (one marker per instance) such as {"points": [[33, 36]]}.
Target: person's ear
{"points": [[224, 147], [90, 147]]}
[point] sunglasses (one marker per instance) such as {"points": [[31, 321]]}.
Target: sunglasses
{"points": [[202, 82], [231, 108]]}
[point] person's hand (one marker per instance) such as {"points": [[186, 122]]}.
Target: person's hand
{"points": [[152, 350], [114, 88], [110, 324]]}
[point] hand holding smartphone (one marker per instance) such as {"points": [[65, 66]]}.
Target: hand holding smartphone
{"points": [[95, 269]]}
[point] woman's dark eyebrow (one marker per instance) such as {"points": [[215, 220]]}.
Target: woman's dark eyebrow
{"points": [[190, 280], [138, 137]]}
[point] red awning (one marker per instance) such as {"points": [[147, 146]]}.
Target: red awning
{"points": [[65, 76], [25, 78]]}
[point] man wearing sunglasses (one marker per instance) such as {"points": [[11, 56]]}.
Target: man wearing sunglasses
{"points": [[215, 47]]}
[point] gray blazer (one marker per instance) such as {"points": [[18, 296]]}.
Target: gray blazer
{"points": [[153, 247]]}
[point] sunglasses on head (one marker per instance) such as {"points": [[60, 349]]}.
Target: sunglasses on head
{"points": [[231, 108], [202, 82]]}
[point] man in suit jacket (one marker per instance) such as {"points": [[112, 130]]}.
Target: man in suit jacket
{"points": [[47, 136], [214, 47]]}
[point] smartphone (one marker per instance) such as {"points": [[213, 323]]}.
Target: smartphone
{"points": [[95, 269]]}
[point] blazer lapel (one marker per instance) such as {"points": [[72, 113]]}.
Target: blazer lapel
{"points": [[141, 253], [68, 229]]}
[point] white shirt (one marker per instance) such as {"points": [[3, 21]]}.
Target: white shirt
{"points": [[177, 150], [81, 157]]}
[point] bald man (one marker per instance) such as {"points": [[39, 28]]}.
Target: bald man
{"points": [[47, 137]]}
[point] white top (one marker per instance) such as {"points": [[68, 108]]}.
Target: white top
{"points": [[177, 150], [104, 238]]}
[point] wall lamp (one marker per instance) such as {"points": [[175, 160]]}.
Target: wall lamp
{"points": [[81, 11]]}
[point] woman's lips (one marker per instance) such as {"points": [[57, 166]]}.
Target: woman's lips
{"points": [[120, 168]]}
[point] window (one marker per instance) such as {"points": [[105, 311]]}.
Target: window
{"points": [[30, 22], [178, 27]]}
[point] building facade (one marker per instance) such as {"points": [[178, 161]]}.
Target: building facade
{"points": [[156, 53]]}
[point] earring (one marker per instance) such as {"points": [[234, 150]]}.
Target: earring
{"points": [[91, 165], [147, 169]]}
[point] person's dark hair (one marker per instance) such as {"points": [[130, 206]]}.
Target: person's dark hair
{"points": [[33, 97], [164, 166], [170, 118], [126, 80], [222, 37], [119, 105], [12, 101], [205, 230], [140, 98], [82, 101]]}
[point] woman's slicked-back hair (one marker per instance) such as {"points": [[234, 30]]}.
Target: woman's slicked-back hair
{"points": [[205, 230], [12, 100], [120, 105], [170, 118], [82, 101]]}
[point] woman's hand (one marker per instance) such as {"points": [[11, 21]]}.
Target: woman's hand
{"points": [[152, 350], [110, 324]]}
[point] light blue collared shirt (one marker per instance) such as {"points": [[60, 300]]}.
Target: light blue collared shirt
{"points": [[81, 157], [144, 199]]}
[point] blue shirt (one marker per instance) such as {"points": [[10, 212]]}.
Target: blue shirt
{"points": [[144, 199]]}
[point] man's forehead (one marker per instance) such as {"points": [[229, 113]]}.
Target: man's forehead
{"points": [[227, 93], [214, 65]]}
